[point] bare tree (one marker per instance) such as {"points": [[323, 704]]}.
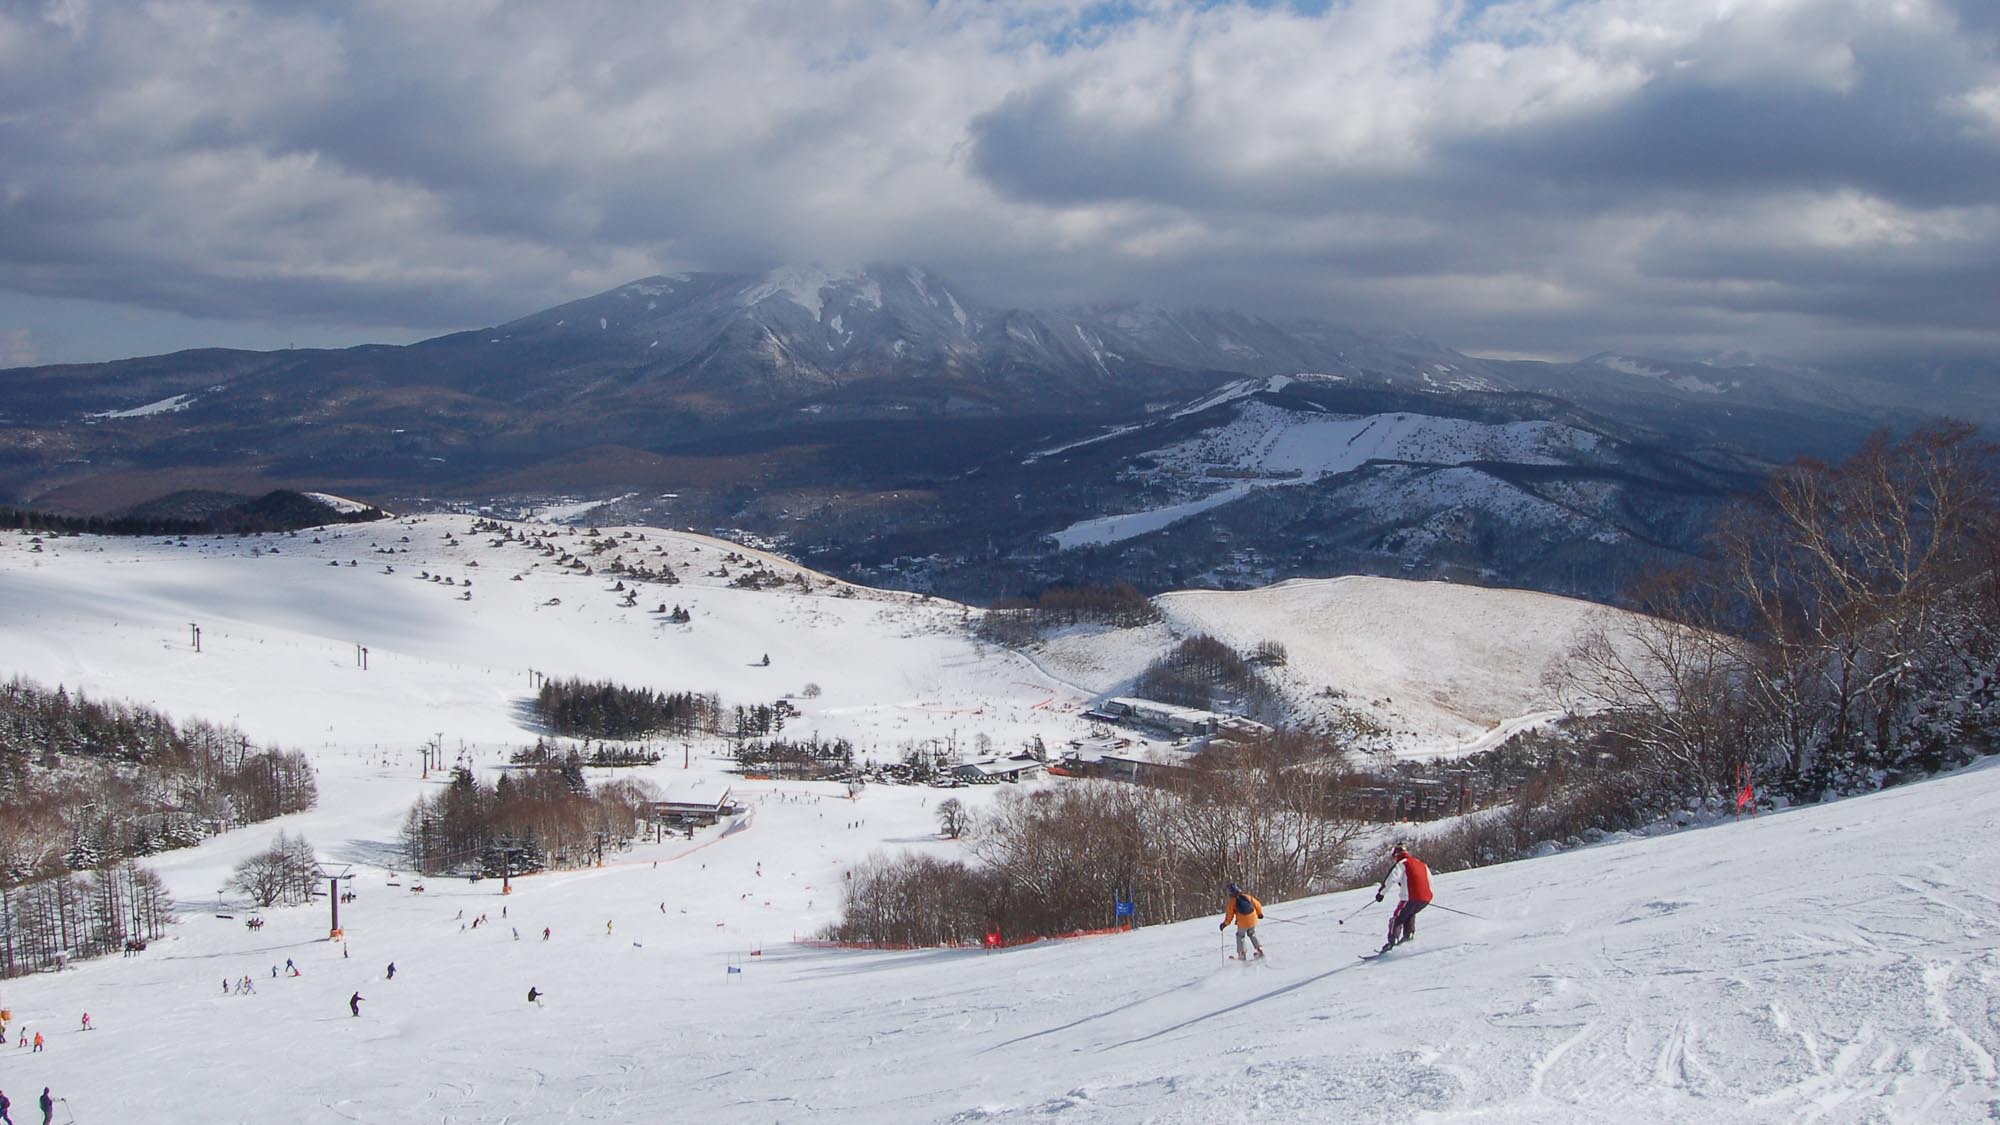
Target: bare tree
{"points": [[282, 874], [953, 817]]}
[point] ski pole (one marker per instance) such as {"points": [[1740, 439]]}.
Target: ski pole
{"points": [[1466, 913], [1356, 914]]}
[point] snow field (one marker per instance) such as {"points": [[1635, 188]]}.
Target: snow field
{"points": [[1834, 963], [1827, 963]]}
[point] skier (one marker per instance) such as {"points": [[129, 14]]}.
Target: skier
{"points": [[5, 1105], [38, 1042], [392, 970], [291, 969], [1244, 910], [534, 995], [545, 933], [354, 1003], [86, 1021], [1413, 886], [48, 1106]]}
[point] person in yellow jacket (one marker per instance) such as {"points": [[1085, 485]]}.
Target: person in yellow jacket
{"points": [[1244, 910]]}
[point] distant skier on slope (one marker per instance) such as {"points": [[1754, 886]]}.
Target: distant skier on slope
{"points": [[354, 1003], [1244, 910], [1413, 888]]}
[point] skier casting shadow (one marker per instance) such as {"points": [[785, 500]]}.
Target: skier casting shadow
{"points": [[1413, 888], [1244, 910]]}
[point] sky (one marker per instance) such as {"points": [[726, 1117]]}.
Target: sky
{"points": [[1815, 178]]}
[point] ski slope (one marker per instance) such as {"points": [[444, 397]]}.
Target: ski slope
{"points": [[1832, 964], [1835, 963]]}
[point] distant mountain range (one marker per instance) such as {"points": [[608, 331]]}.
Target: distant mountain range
{"points": [[882, 423]]}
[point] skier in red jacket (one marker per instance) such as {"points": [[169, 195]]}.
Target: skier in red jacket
{"points": [[1413, 888]]}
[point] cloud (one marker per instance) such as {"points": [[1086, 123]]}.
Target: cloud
{"points": [[1513, 174], [17, 348]]}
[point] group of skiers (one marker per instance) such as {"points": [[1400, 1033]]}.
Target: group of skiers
{"points": [[47, 1102], [1413, 893]]}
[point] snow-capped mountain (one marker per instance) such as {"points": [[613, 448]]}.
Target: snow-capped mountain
{"points": [[882, 419]]}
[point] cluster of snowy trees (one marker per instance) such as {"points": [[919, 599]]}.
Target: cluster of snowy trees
{"points": [[542, 818], [1842, 633], [1023, 620], [811, 757], [84, 782], [601, 709], [1056, 860], [1204, 673], [284, 874], [48, 922]]}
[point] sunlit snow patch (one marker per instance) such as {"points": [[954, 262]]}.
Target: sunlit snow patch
{"points": [[164, 406]]}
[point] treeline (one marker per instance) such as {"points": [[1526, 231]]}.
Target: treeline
{"points": [[549, 818], [812, 757], [541, 754], [71, 917], [601, 709], [1204, 673], [1056, 860], [1024, 620], [84, 783], [1843, 633], [279, 510]]}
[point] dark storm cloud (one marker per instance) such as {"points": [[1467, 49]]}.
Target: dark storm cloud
{"points": [[1546, 178]]}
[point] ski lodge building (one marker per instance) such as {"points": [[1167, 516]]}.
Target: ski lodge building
{"points": [[692, 800], [988, 770], [1186, 722]]}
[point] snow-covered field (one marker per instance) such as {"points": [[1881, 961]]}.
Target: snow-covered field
{"points": [[1836, 963]]}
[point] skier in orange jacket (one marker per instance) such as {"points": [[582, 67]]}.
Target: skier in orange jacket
{"points": [[1244, 910], [1413, 888]]}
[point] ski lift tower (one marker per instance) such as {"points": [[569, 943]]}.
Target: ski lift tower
{"points": [[325, 871]]}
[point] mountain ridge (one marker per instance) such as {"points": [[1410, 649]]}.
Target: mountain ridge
{"points": [[861, 416]]}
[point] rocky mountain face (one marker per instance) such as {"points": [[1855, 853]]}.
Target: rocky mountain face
{"points": [[881, 423]]}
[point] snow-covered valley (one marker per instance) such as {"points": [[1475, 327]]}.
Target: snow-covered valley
{"points": [[1831, 963]]}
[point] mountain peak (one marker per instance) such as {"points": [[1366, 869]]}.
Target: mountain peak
{"points": [[808, 286]]}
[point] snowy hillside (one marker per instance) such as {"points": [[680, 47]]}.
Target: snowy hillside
{"points": [[1449, 669], [1263, 445], [452, 638], [1834, 963]]}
